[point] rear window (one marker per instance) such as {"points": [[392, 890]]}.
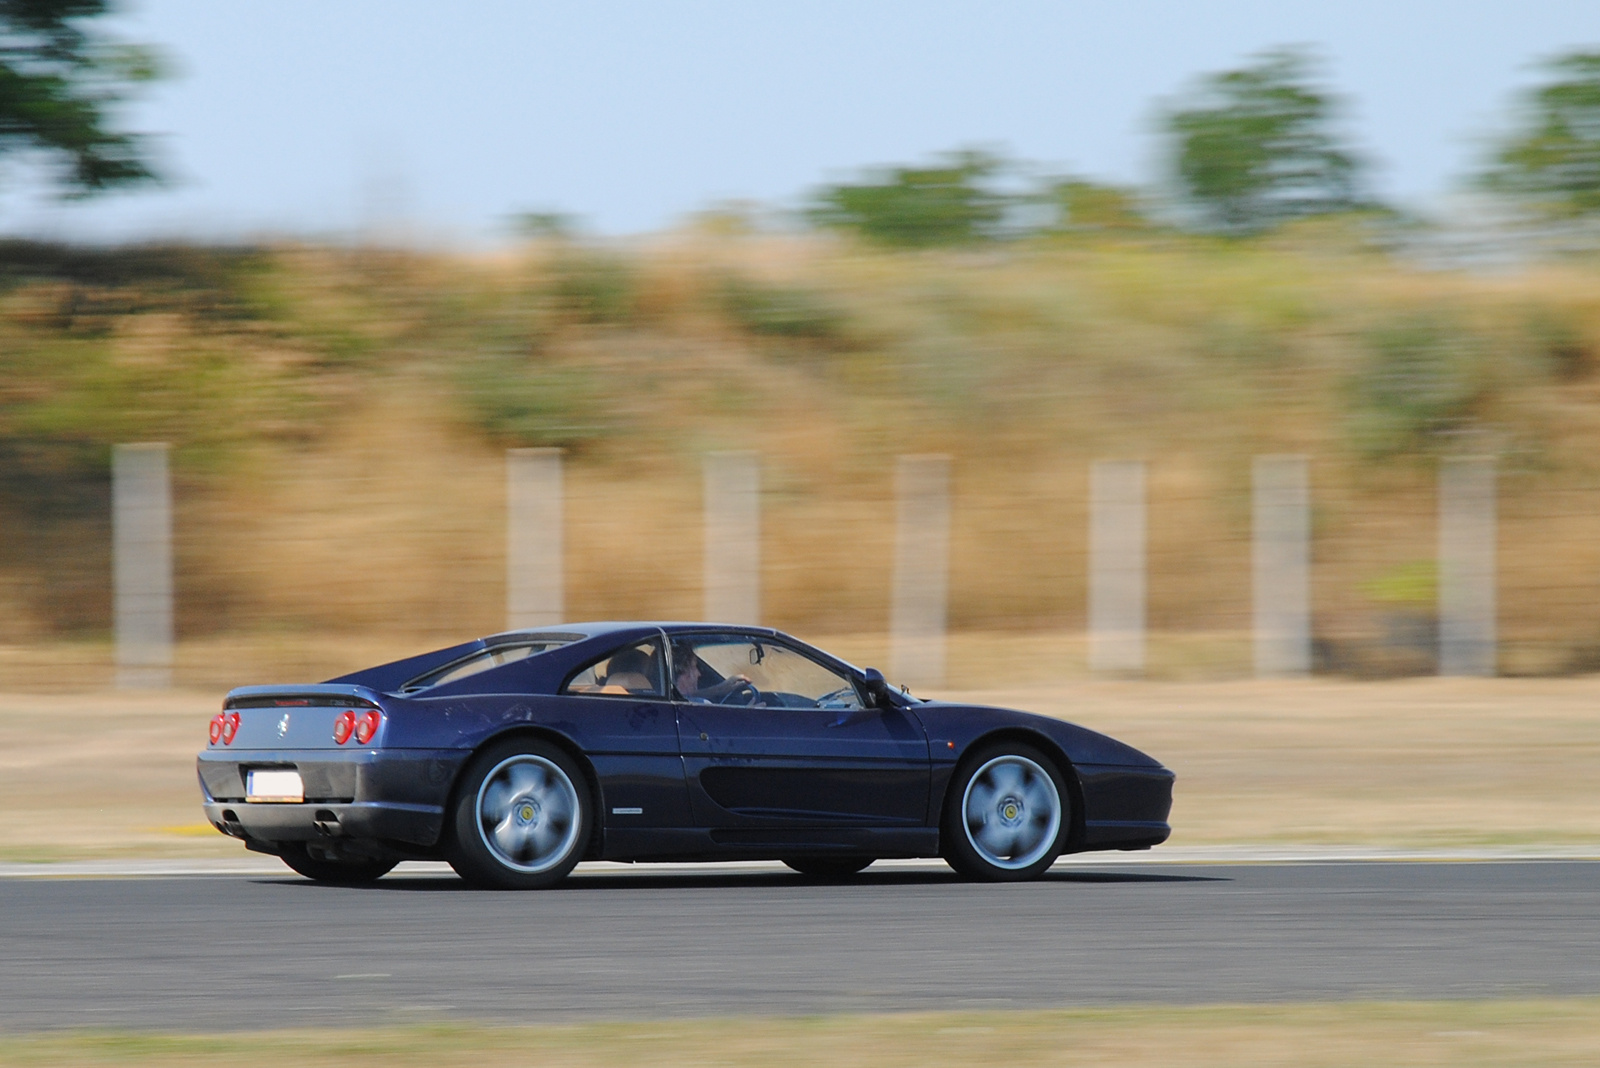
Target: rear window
{"points": [[493, 657]]}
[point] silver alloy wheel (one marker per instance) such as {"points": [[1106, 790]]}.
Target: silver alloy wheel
{"points": [[1011, 812], [528, 813]]}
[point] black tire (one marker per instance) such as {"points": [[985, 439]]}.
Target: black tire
{"points": [[337, 872], [829, 867], [522, 817], [1007, 814]]}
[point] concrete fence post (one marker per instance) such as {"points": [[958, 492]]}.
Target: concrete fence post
{"points": [[921, 571], [733, 537], [1467, 566], [1281, 565], [141, 564], [534, 555], [1117, 567]]}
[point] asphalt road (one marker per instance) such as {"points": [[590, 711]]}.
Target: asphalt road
{"points": [[227, 953]]}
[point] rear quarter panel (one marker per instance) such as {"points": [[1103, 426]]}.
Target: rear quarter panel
{"points": [[631, 744]]}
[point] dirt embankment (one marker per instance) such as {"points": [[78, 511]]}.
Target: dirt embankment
{"points": [[339, 420]]}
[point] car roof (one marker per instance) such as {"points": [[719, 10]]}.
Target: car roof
{"points": [[575, 642], [589, 634], [620, 628]]}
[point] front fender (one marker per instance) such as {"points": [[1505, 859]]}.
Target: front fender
{"points": [[1121, 795]]}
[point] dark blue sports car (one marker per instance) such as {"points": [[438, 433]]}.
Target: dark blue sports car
{"points": [[516, 756]]}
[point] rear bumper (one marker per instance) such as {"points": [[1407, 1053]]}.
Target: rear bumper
{"points": [[396, 795], [418, 825]]}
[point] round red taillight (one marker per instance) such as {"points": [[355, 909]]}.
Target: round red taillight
{"points": [[230, 727], [215, 732], [343, 727], [367, 726]]}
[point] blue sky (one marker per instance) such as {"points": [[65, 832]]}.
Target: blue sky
{"points": [[331, 117]]}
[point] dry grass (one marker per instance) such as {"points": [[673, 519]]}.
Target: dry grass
{"points": [[1409, 763], [1469, 1034], [1414, 763], [396, 526], [103, 776], [359, 494]]}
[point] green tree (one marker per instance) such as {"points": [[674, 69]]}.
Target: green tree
{"points": [[59, 81], [1553, 159], [946, 204], [1258, 147], [1091, 207]]}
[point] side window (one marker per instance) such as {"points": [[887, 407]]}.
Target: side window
{"points": [[737, 670], [633, 671]]}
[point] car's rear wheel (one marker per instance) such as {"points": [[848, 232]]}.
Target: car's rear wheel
{"points": [[339, 871], [1007, 814], [828, 867], [522, 817]]}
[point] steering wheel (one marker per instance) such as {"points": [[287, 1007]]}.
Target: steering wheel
{"points": [[745, 689]]}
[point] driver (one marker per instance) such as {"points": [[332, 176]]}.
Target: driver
{"points": [[686, 676]]}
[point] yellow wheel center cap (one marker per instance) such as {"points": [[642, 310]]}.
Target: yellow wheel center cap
{"points": [[526, 812], [1010, 811]]}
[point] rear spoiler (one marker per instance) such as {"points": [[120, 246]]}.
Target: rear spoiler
{"points": [[299, 696]]}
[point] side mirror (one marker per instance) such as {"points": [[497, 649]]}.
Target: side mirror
{"points": [[877, 689]]}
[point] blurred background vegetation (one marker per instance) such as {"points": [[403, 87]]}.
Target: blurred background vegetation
{"points": [[338, 418], [339, 414]]}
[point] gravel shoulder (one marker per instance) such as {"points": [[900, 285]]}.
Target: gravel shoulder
{"points": [[1419, 765]]}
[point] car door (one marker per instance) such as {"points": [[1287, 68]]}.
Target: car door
{"points": [[794, 744], [616, 707]]}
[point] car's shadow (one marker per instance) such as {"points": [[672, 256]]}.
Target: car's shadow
{"points": [[744, 880]]}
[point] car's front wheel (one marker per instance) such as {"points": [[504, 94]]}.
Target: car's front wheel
{"points": [[522, 817], [336, 870], [1007, 814]]}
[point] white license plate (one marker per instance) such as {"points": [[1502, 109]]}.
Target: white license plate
{"points": [[274, 786]]}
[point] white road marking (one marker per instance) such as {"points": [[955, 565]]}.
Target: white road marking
{"points": [[263, 866]]}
